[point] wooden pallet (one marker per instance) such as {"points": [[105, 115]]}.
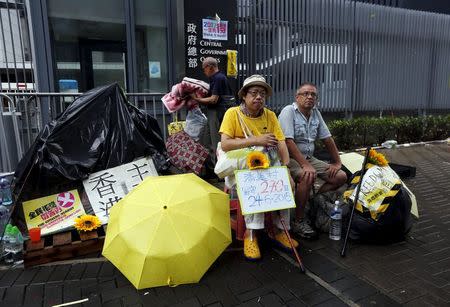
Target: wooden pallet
{"points": [[62, 246]]}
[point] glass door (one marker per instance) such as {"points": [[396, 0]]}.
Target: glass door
{"points": [[102, 63]]}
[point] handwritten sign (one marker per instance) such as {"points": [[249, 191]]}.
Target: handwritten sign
{"points": [[106, 188], [264, 190]]}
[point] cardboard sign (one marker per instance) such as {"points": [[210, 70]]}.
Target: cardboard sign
{"points": [[264, 190], [53, 213], [105, 188]]}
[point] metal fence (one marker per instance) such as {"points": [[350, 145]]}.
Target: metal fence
{"points": [[15, 47], [21, 121], [363, 57]]}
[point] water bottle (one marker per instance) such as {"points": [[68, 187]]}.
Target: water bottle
{"points": [[4, 217], [7, 248], [17, 245], [5, 192], [336, 222]]}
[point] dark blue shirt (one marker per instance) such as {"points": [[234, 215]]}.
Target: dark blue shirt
{"points": [[218, 85]]}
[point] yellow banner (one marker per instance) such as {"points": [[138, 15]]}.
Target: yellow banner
{"points": [[53, 213], [232, 63]]}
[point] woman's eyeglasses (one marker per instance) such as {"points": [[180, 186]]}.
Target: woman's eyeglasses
{"points": [[255, 93]]}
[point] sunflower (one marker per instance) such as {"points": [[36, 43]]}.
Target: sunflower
{"points": [[257, 159], [377, 158], [87, 222]]}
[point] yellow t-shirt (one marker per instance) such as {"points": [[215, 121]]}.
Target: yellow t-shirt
{"points": [[266, 123]]}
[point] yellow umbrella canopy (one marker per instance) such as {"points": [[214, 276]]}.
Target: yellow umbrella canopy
{"points": [[168, 230]]}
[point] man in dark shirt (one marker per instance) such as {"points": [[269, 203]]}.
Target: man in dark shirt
{"points": [[218, 87]]}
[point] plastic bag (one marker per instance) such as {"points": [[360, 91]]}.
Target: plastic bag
{"points": [[99, 130], [195, 123], [176, 125], [228, 162]]}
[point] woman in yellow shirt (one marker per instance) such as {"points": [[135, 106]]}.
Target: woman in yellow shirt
{"points": [[264, 131]]}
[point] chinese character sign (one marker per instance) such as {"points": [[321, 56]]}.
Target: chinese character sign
{"points": [[264, 190], [377, 184], [214, 29], [106, 188], [53, 213]]}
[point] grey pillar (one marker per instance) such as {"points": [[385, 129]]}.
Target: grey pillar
{"points": [[41, 51]]}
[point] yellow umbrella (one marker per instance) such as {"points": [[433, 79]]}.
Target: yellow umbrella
{"points": [[168, 230]]}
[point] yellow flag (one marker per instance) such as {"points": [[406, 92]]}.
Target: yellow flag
{"points": [[232, 63]]}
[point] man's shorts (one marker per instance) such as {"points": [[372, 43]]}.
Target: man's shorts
{"points": [[297, 171]]}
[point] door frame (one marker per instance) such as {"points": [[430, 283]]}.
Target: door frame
{"points": [[86, 66]]}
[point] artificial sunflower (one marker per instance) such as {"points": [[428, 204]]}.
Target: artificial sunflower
{"points": [[87, 222], [377, 158], [257, 159]]}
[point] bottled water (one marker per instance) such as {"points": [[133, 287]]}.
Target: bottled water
{"points": [[7, 249], [4, 217], [16, 241], [336, 222], [5, 192]]}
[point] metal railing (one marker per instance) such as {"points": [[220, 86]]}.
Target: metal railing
{"points": [[16, 61], [21, 119]]}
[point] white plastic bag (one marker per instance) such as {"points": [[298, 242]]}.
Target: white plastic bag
{"points": [[195, 123], [228, 162]]}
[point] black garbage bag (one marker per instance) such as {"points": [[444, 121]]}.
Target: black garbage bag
{"points": [[99, 130], [391, 227]]}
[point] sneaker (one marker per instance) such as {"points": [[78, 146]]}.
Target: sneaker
{"points": [[302, 229]]}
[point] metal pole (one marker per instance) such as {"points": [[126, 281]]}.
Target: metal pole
{"points": [[358, 188]]}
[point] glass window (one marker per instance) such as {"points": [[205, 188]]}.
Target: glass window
{"points": [[89, 43], [151, 45]]}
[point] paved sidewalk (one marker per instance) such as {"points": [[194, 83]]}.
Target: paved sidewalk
{"points": [[415, 272], [231, 281], [412, 273]]}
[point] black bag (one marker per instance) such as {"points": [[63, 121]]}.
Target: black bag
{"points": [[392, 227], [227, 101]]}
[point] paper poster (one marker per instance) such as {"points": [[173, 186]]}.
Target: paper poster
{"points": [[53, 213], [215, 29], [154, 69], [352, 161], [264, 190], [376, 185], [105, 188]]}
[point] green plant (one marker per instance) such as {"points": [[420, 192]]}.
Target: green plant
{"points": [[365, 131]]}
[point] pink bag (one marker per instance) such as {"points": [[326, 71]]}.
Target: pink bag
{"points": [[185, 153]]}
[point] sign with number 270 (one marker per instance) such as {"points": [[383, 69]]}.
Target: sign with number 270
{"points": [[264, 190]]}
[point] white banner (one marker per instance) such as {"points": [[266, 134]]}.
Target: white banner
{"points": [[216, 30], [375, 185], [106, 188]]}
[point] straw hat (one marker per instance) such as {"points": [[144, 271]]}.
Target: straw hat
{"points": [[255, 80]]}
